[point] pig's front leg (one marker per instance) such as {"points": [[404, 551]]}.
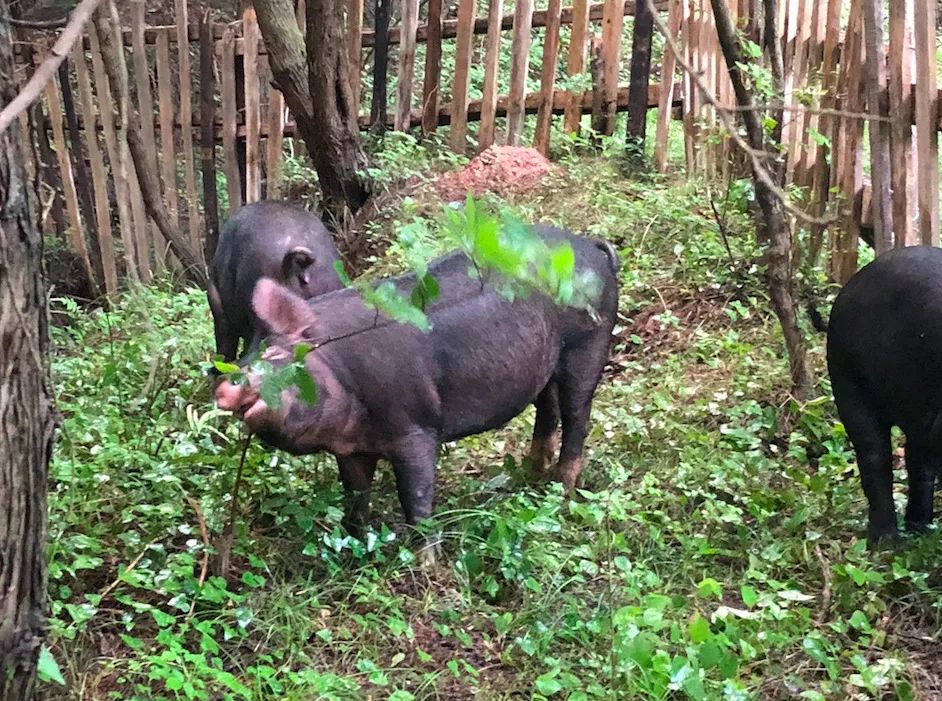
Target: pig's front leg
{"points": [[356, 474], [414, 465]]}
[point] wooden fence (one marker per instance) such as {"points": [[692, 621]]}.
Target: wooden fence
{"points": [[206, 86]]}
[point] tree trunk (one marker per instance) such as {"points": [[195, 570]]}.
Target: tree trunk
{"points": [[328, 125], [190, 259], [640, 74], [772, 228], [26, 413], [338, 157]]}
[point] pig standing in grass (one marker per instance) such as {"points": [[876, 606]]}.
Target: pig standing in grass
{"points": [[389, 390], [266, 239], [885, 363]]}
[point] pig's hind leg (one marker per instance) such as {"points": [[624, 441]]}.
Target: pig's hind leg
{"points": [[870, 436], [921, 467], [543, 446], [580, 372]]}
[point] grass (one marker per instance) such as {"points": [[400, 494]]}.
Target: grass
{"points": [[715, 551]]}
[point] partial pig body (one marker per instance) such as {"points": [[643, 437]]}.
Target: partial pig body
{"points": [[394, 392], [267, 239], [885, 363]]}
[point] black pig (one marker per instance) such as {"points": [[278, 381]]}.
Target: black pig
{"points": [[388, 390], [266, 239], [885, 362]]}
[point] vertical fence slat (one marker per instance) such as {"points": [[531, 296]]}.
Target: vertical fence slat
{"points": [[849, 172], [810, 150], [354, 47], [665, 107], [275, 143], [519, 65], [899, 75], [691, 34], [378, 106], [828, 124], [253, 178], [208, 138], [83, 182], [795, 132], [142, 237], [168, 154], [459, 91], [544, 120], [99, 177], [186, 122], [707, 114], [613, 20], [230, 119], [495, 10], [407, 33], [115, 155], [927, 137], [575, 63], [433, 68], [875, 78], [145, 105], [76, 230]]}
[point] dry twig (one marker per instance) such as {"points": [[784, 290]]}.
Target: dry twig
{"points": [[47, 69]]}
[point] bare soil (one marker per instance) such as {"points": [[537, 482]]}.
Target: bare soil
{"points": [[503, 170]]}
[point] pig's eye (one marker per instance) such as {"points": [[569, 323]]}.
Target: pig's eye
{"points": [[302, 280]]}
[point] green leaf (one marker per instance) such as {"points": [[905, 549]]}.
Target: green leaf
{"points": [[307, 388], [710, 587], [342, 273], [749, 595], [699, 630], [301, 350], [547, 684], [224, 367], [48, 668]]}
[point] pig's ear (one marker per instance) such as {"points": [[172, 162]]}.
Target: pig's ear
{"points": [[280, 309]]}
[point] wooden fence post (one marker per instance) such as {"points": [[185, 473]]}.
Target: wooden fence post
{"points": [[230, 120], [665, 107], [927, 122], [433, 68], [253, 169], [354, 47], [882, 208], [491, 68], [576, 63], [613, 19], [520, 63], [459, 92], [168, 155], [544, 120], [208, 139], [899, 77], [407, 29], [186, 122]]}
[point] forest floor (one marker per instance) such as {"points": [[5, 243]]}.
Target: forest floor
{"points": [[714, 552]]}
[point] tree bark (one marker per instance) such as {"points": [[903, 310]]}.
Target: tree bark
{"points": [[772, 228], [328, 125], [640, 75], [26, 412], [189, 258]]}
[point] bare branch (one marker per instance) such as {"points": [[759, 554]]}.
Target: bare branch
{"points": [[47, 69]]}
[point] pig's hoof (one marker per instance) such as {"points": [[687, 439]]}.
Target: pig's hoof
{"points": [[918, 527], [430, 553], [884, 540]]}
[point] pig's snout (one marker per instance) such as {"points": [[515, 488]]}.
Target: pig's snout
{"points": [[243, 401]]}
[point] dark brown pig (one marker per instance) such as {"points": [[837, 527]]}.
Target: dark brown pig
{"points": [[389, 390], [269, 239]]}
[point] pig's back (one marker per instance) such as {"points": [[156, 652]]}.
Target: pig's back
{"points": [[885, 332]]}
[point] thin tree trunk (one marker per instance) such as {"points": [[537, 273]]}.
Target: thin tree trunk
{"points": [[771, 224], [328, 125], [378, 106], [640, 74], [26, 412], [190, 259], [773, 48]]}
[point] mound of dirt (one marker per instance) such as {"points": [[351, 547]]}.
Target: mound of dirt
{"points": [[503, 170]]}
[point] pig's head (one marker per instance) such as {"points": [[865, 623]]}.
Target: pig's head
{"points": [[298, 271], [293, 425]]}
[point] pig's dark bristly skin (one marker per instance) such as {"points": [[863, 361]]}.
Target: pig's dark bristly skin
{"points": [[266, 239], [397, 393], [885, 362]]}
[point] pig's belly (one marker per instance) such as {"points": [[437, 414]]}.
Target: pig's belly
{"points": [[484, 402]]}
